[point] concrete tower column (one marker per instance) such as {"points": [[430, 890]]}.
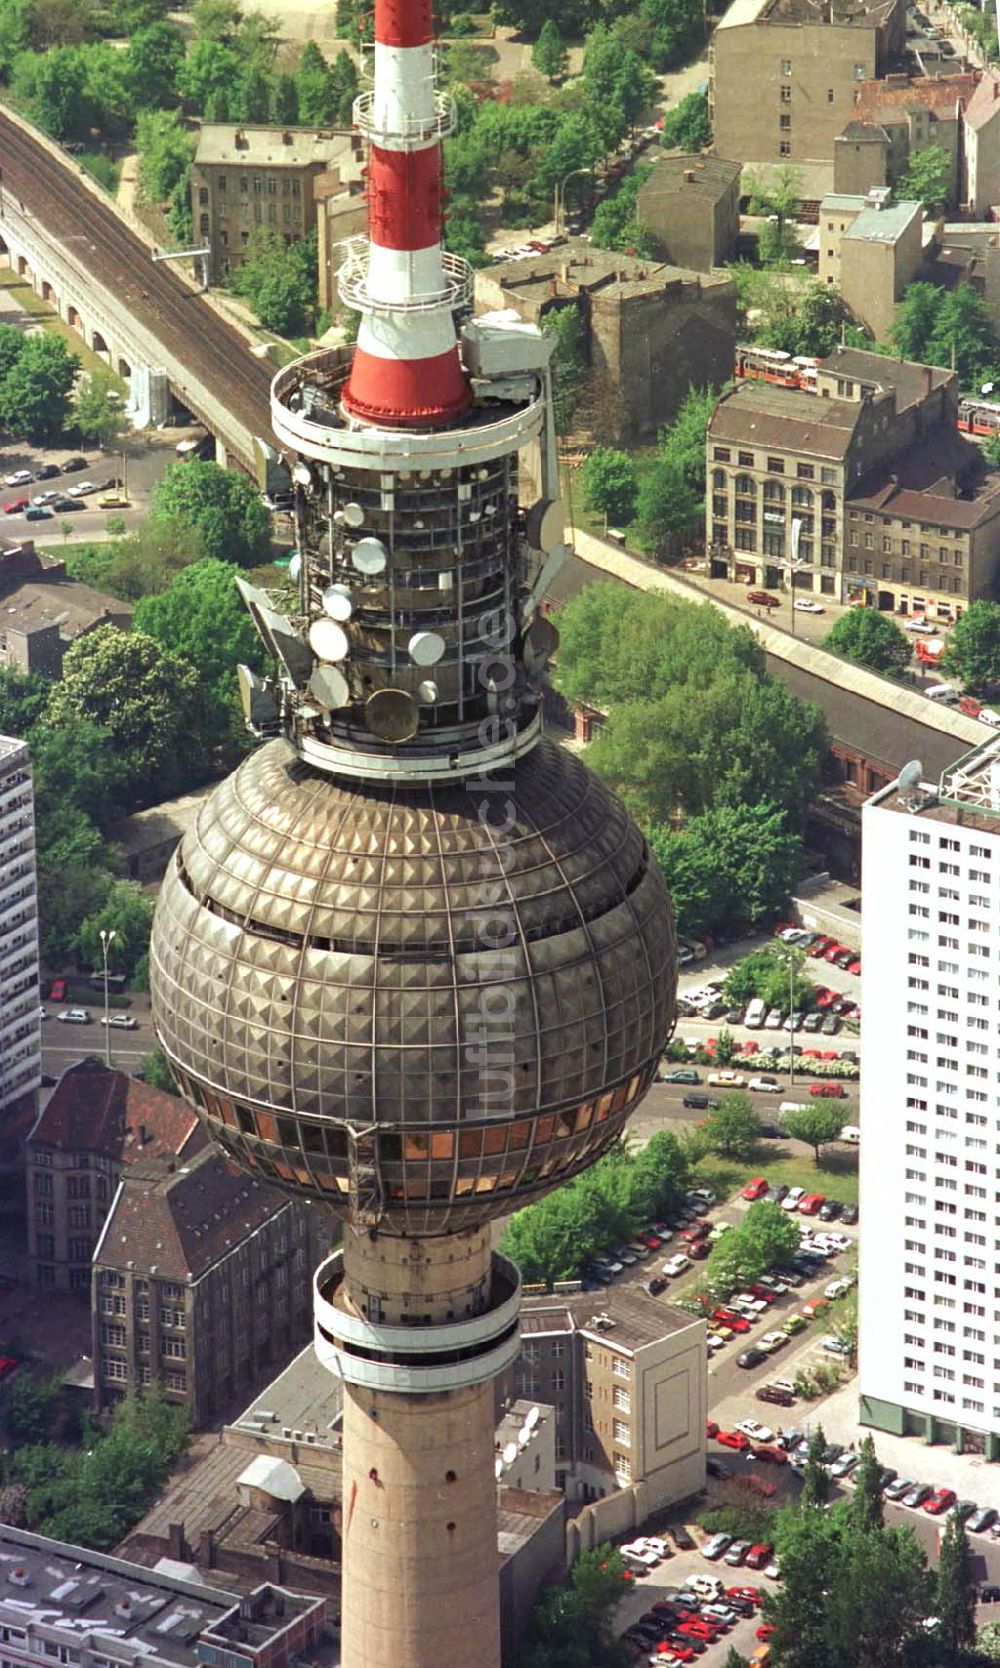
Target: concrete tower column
{"points": [[418, 1329]]}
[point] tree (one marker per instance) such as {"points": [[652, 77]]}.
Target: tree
{"points": [[209, 70], [220, 505], [165, 151], [154, 57], [963, 335], [609, 484], [157, 1073], [733, 1129], [766, 1238], [28, 1407], [35, 392], [973, 650], [617, 224], [815, 1477], [777, 197], [666, 506], [683, 442], [916, 317], [732, 865], [279, 280], [575, 1623], [128, 912], [816, 1124], [569, 366], [988, 1641], [688, 127], [146, 700], [867, 1504], [955, 1600], [927, 179], [22, 701], [881, 1592], [548, 54], [54, 86], [871, 638], [97, 417]]}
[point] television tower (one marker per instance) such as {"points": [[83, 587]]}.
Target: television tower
{"points": [[413, 961]]}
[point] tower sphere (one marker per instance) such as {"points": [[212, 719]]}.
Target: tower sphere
{"points": [[424, 1006]]}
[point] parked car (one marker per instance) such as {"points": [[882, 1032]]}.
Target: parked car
{"points": [[792, 1198], [20, 477], [755, 1430], [57, 990], [830, 1210], [777, 1398], [716, 1546], [699, 1103], [14, 506], [756, 1187], [763, 599], [121, 1022], [940, 1501], [828, 1091], [733, 1439], [759, 1556], [811, 1204], [74, 1016], [917, 1494], [46, 471], [774, 1195], [680, 1074], [850, 1213], [680, 1537], [764, 1085], [66, 506], [982, 1520], [675, 1265], [72, 465], [772, 1341], [844, 1465], [751, 1358], [83, 489]]}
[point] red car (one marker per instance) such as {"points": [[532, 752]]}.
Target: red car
{"points": [[652, 1240], [821, 946], [815, 1306], [770, 1455], [735, 1323], [765, 1630], [15, 506], [834, 951], [751, 1594], [829, 1091], [57, 990], [700, 1630], [763, 599], [811, 1054], [823, 997], [697, 1230], [854, 966], [765, 1293], [7, 1365], [759, 1557], [734, 1439], [812, 1204], [682, 1653], [940, 1501], [756, 1187], [711, 1427], [698, 1249], [749, 1048]]}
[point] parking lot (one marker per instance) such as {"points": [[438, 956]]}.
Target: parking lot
{"points": [[662, 1583]]}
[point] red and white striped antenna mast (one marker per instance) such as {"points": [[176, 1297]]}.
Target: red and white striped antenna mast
{"points": [[407, 371]]}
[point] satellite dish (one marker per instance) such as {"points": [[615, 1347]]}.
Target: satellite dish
{"points": [[987, 388], [910, 776], [510, 1453], [427, 692], [523, 1438], [336, 600], [327, 640], [295, 565], [330, 687], [531, 1418], [302, 474], [540, 643], [545, 524], [354, 515], [338, 516], [426, 648], [498, 1469], [392, 714], [370, 556]]}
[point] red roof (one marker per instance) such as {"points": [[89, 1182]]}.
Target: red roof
{"points": [[92, 1109]]}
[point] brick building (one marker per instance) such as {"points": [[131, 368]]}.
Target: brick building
{"points": [[691, 204], [870, 249], [783, 75], [651, 330], [43, 611], [626, 1375], [201, 1278], [784, 468], [903, 115], [95, 1124], [245, 178]]}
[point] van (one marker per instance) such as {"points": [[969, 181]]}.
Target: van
{"points": [[944, 692], [851, 1133], [755, 1014], [791, 1106]]}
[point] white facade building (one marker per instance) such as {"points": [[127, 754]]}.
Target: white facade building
{"points": [[930, 1107], [20, 1033]]}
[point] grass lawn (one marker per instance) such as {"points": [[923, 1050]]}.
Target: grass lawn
{"points": [[21, 292], [836, 1175]]}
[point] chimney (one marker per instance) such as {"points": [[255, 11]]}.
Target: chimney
{"points": [[206, 1549], [689, 176], [176, 1541], [928, 378]]}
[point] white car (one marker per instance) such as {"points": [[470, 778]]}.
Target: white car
{"points": [[755, 1430], [791, 1200], [791, 935], [121, 1022], [42, 498], [706, 1586], [749, 1304], [74, 1016], [20, 477], [805, 606], [764, 1085], [82, 489], [988, 716], [655, 1544], [836, 1288], [716, 1546], [772, 1341], [641, 1552], [916, 623], [773, 1570], [713, 1340], [775, 1020], [676, 1265], [833, 1242], [718, 1230]]}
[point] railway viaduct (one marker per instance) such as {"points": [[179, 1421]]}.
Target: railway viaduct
{"points": [[61, 234]]}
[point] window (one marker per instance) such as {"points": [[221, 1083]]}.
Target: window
{"points": [[623, 1469], [622, 1400], [785, 94], [784, 148], [745, 460], [786, 66], [622, 1433], [620, 1367], [785, 123]]}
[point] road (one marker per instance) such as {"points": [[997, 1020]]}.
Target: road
{"points": [[63, 1044], [186, 326]]}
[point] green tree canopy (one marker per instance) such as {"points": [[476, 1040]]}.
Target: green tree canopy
{"points": [[916, 317], [548, 54], [165, 149], [687, 127], [279, 280], [609, 484], [157, 1073], [22, 700], [867, 1504], [145, 699], [221, 506], [817, 1124], [963, 332], [776, 973], [734, 864], [155, 55], [927, 179], [733, 1129], [127, 911], [569, 365], [36, 388], [96, 416], [776, 195], [973, 650], [956, 1591], [766, 1238], [871, 638]]}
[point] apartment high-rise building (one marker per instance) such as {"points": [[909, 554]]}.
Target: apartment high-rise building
{"points": [[20, 1036], [930, 1165]]}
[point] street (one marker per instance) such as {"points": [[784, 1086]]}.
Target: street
{"points": [[62, 1044]]}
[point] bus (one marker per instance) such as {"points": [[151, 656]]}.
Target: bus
{"points": [[766, 364]]}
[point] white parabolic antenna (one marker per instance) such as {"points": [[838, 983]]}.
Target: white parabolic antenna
{"points": [[336, 601], [426, 648], [354, 515], [369, 556], [327, 640], [510, 1453], [498, 1469], [531, 1419], [910, 776], [330, 687]]}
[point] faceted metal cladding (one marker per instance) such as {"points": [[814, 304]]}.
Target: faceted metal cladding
{"points": [[325, 990]]}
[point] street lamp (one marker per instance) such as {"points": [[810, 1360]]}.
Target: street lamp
{"points": [[106, 940], [559, 199]]}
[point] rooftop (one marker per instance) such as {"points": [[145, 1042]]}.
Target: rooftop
{"points": [[179, 1222], [786, 418], [985, 101], [273, 147], [625, 1317], [694, 176], [967, 794], [576, 268], [10, 748], [304, 1397], [943, 482], [863, 14], [96, 1110], [911, 381], [36, 591], [884, 225], [877, 100]]}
